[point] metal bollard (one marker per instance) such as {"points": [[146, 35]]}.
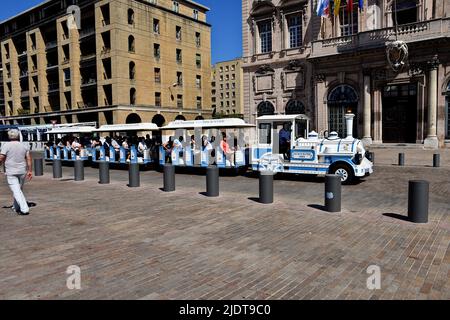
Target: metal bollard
{"points": [[436, 160], [57, 169], [212, 181], [39, 167], [418, 191], [169, 177], [134, 176], [401, 159], [78, 170], [266, 188], [103, 172], [333, 187]]}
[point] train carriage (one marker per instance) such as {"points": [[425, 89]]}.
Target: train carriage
{"points": [[121, 155], [200, 143]]}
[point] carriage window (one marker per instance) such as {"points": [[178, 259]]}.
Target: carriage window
{"points": [[301, 127], [265, 135]]}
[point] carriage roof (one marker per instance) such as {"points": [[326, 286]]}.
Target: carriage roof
{"points": [[209, 123], [283, 117], [128, 127]]}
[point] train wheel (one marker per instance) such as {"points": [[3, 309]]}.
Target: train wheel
{"points": [[345, 171]]}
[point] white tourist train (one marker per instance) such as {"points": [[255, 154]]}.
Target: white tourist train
{"points": [[277, 144]]}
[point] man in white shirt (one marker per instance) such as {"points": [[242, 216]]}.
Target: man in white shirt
{"points": [[18, 165]]}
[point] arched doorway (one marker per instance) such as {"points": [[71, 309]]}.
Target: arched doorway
{"points": [[180, 117], [159, 120], [133, 118], [342, 99], [295, 107], [199, 118], [265, 108], [447, 112]]}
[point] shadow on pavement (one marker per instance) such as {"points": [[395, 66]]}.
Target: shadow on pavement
{"points": [[396, 216]]}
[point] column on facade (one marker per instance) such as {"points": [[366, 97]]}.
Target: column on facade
{"points": [[367, 138], [431, 140]]}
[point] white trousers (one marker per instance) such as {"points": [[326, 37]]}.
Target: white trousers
{"points": [[16, 183]]}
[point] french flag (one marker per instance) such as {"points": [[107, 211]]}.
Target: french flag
{"points": [[322, 8]]}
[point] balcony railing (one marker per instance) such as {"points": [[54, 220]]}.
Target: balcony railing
{"points": [[367, 40]]}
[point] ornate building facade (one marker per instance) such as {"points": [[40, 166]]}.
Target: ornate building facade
{"points": [[388, 62]]}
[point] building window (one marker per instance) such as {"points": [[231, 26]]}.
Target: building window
{"points": [[180, 101], [233, 85], [348, 20], [178, 32], [157, 75], [132, 68], [156, 50], [179, 56], [67, 77], [198, 81], [295, 31], [221, 69], [156, 26], [233, 68], [233, 77], [130, 16], [180, 79], [132, 96], [265, 36], [199, 102], [265, 108], [198, 60], [227, 77], [131, 42], [176, 6], [405, 12], [227, 69], [227, 86], [233, 94], [158, 99], [197, 39], [221, 77], [195, 14]]}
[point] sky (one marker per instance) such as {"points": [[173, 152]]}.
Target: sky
{"points": [[225, 18]]}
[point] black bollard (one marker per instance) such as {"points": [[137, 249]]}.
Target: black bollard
{"points": [[418, 201], [169, 177], [39, 167], [103, 172], [78, 170], [265, 188], [436, 160], [135, 180], [57, 169], [212, 181], [401, 159], [333, 193]]}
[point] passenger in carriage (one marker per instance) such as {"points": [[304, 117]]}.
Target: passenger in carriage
{"points": [[142, 147], [178, 144], [168, 146], [226, 149], [193, 143], [76, 146], [285, 140]]}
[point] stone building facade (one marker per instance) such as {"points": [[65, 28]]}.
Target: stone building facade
{"points": [[124, 61], [227, 88], [327, 66]]}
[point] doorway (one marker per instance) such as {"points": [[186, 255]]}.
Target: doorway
{"points": [[399, 106]]}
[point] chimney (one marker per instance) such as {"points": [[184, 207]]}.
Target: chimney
{"points": [[349, 124]]}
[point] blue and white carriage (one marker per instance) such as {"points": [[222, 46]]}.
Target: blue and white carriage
{"points": [[284, 144], [200, 143], [121, 155]]}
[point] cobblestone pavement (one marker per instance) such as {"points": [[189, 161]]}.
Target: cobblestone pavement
{"points": [[142, 243]]}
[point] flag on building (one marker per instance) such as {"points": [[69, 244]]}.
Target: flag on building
{"points": [[337, 6], [349, 5], [322, 8]]}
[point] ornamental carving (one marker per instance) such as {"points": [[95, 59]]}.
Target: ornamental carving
{"points": [[397, 54]]}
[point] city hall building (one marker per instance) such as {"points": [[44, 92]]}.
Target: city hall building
{"points": [[388, 62], [108, 61]]}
